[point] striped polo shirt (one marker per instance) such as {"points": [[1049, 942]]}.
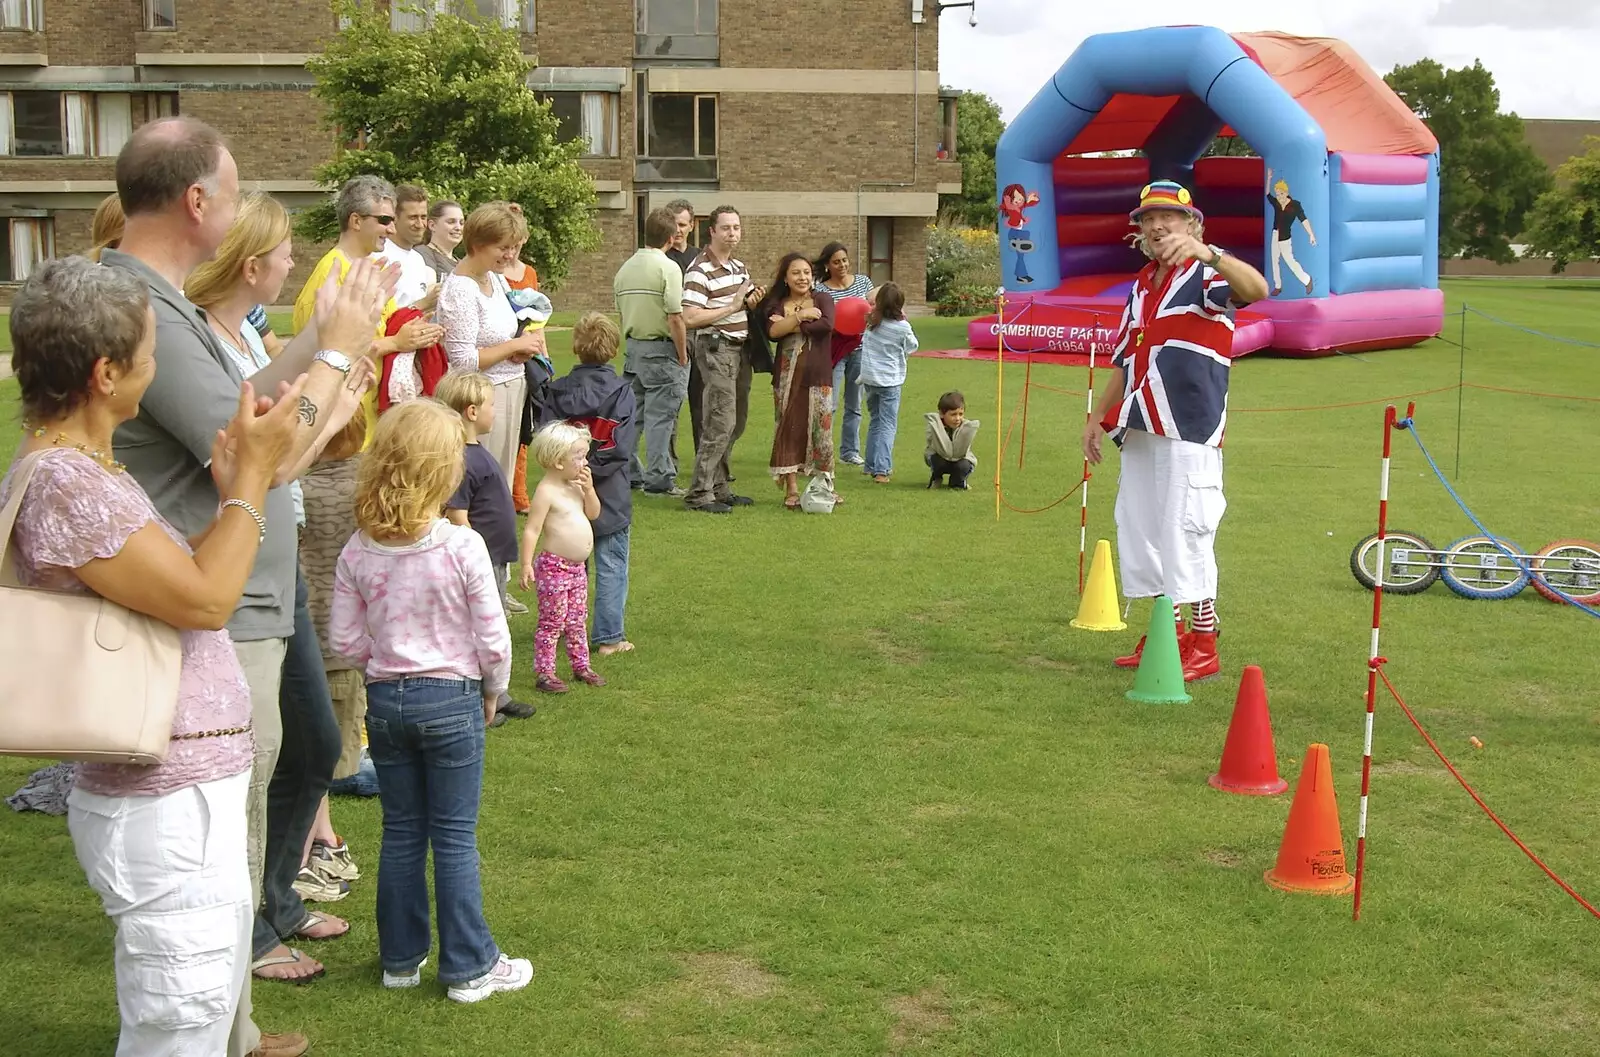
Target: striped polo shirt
{"points": [[708, 284]]}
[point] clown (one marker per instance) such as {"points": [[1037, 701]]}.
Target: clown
{"points": [[1014, 201], [1166, 408]]}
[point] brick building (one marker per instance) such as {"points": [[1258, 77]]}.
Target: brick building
{"points": [[823, 121]]}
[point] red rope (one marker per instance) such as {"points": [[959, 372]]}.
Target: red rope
{"points": [[1378, 665], [1530, 392]]}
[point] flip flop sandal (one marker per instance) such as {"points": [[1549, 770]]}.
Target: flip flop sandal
{"points": [[294, 957], [313, 919], [791, 502]]}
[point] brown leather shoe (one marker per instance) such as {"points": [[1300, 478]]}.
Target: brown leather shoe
{"points": [[289, 1044]]}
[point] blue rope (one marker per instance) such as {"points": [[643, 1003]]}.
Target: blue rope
{"points": [[1535, 333], [1522, 563]]}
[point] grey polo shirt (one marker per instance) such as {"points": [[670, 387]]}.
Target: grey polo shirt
{"points": [[167, 449]]}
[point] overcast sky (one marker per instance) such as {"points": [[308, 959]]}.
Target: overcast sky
{"points": [[1542, 57]]}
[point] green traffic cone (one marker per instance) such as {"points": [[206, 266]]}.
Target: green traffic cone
{"points": [[1159, 680]]}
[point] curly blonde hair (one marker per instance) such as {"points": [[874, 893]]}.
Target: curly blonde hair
{"points": [[414, 464], [554, 442]]}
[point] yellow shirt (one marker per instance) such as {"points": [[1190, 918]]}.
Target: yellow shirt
{"points": [[305, 307]]}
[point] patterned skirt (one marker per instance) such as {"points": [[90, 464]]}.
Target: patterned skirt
{"points": [[803, 440]]}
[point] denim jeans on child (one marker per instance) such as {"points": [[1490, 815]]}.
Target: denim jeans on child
{"points": [[610, 587], [883, 404], [306, 761], [847, 379], [426, 740]]}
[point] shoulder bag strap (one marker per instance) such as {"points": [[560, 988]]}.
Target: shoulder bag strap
{"points": [[21, 475]]}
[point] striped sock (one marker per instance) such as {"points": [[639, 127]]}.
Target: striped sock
{"points": [[1177, 615], [1204, 616]]}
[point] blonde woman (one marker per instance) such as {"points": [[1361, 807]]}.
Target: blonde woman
{"points": [[417, 604], [480, 326], [105, 231], [249, 269]]}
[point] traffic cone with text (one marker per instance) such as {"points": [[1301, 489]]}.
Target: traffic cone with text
{"points": [[1249, 761], [1159, 680], [1311, 857], [1097, 609]]}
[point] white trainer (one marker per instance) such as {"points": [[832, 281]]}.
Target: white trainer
{"points": [[402, 980], [508, 974]]}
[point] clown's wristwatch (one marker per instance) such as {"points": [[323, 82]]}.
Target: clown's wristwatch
{"points": [[1216, 256]]}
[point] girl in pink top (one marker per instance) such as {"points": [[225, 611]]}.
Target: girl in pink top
{"points": [[416, 603]]}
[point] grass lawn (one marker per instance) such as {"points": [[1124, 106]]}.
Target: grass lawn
{"points": [[862, 790]]}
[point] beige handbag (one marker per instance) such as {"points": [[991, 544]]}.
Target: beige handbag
{"points": [[81, 678]]}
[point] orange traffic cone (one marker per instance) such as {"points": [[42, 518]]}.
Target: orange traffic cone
{"points": [[1249, 762], [1311, 857]]}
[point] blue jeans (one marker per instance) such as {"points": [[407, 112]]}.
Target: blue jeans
{"points": [[847, 379], [610, 588], [426, 740], [883, 404]]}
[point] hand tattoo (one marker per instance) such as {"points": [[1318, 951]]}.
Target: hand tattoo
{"points": [[308, 411]]}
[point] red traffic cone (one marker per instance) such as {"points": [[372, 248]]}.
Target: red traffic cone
{"points": [[1249, 762]]}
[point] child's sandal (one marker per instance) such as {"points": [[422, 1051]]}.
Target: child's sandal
{"points": [[589, 676], [549, 684]]}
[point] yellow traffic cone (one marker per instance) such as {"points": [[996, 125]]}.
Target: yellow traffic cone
{"points": [[1097, 609]]}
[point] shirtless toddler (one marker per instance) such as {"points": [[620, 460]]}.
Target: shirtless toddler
{"points": [[563, 506]]}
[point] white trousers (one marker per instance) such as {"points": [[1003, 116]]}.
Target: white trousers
{"points": [[1283, 250], [171, 873], [1169, 503], [503, 439]]}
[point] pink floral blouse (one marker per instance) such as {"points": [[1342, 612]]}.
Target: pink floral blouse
{"points": [[76, 511], [473, 321]]}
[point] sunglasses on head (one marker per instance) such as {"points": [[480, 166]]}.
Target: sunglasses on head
{"points": [[382, 218]]}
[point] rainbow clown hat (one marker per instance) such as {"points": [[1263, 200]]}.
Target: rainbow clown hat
{"points": [[1166, 194]]}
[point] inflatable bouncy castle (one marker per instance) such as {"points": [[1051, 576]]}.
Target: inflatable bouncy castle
{"points": [[1339, 210]]}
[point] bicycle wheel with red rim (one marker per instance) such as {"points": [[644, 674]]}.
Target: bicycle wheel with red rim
{"points": [[1570, 566]]}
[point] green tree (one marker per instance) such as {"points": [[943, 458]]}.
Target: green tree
{"points": [[1564, 224], [449, 108], [1488, 175], [978, 129]]}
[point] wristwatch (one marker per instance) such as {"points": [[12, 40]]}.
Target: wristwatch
{"points": [[335, 359], [1216, 256]]}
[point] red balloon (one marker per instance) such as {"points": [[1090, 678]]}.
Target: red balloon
{"points": [[850, 315]]}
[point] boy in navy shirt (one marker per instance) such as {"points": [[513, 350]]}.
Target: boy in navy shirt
{"points": [[483, 500], [593, 396]]}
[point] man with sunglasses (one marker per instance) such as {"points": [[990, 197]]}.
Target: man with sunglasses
{"points": [[366, 211]]}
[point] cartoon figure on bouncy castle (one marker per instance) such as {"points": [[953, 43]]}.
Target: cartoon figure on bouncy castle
{"points": [[1285, 211], [1013, 201]]}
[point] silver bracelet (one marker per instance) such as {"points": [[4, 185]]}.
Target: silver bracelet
{"points": [[261, 522]]}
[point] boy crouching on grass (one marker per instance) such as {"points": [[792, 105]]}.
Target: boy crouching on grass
{"points": [[593, 396], [949, 448]]}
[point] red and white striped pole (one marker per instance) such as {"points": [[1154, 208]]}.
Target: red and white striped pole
{"points": [[1083, 505], [1372, 654]]}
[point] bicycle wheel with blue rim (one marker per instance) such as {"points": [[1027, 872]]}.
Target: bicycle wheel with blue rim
{"points": [[1476, 567]]}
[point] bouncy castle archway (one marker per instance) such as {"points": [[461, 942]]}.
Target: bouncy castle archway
{"points": [[1339, 211]]}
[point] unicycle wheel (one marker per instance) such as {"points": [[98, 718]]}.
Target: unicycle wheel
{"points": [[1476, 567], [1572, 566], [1410, 563]]}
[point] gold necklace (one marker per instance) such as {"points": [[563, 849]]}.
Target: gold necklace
{"points": [[61, 439]]}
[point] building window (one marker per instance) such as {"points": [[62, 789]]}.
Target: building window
{"points": [[880, 249], [587, 116], [158, 105], [160, 14], [29, 242], [64, 124], [675, 29], [414, 16], [21, 14], [530, 24], [947, 127], [681, 126]]}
